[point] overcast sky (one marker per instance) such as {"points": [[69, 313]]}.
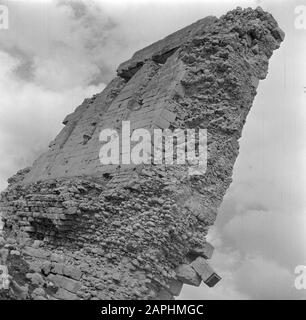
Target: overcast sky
{"points": [[56, 53]]}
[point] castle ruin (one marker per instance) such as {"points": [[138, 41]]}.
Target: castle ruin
{"points": [[74, 228]]}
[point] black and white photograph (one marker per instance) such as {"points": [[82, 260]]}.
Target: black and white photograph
{"points": [[152, 150]]}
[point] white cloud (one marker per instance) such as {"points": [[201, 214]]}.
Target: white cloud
{"points": [[273, 234], [28, 116], [266, 279]]}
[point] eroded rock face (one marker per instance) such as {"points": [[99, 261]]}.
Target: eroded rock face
{"points": [[77, 229]]}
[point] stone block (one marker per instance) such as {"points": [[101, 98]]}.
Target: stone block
{"points": [[164, 294], [63, 294], [175, 287], [205, 251], [65, 283], [187, 275], [57, 257], [72, 272], [203, 269], [37, 253], [57, 268]]}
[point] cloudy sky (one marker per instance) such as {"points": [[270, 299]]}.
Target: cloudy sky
{"points": [[56, 53]]}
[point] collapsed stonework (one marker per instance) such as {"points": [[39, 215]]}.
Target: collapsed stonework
{"points": [[77, 229]]}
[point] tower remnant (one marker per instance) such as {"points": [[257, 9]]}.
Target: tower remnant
{"points": [[77, 229]]}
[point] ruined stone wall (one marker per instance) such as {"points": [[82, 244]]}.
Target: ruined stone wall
{"points": [[77, 229]]}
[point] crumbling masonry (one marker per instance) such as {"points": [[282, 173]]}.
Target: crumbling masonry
{"points": [[77, 229]]}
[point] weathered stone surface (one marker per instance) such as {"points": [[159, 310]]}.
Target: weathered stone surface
{"points": [[205, 251], [164, 294], [72, 272], [65, 283], [175, 287], [35, 278], [63, 294], [92, 231], [57, 257], [38, 292], [207, 274], [187, 275], [38, 253]]}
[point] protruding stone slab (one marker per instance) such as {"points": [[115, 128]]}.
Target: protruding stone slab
{"points": [[37, 253], [175, 287], [63, 294], [164, 294], [205, 251], [187, 275], [65, 283], [207, 274]]}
